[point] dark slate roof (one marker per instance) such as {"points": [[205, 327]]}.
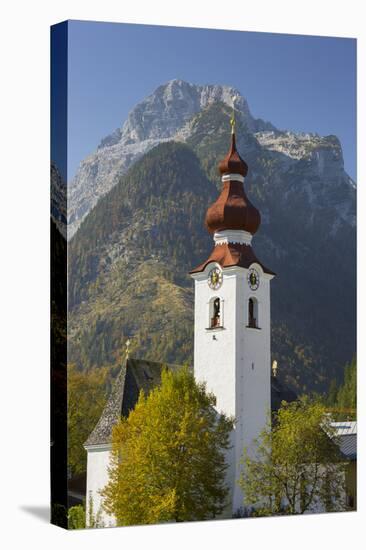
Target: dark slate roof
{"points": [[135, 375], [346, 432], [138, 374], [280, 392], [348, 446]]}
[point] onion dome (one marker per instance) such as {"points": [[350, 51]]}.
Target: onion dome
{"points": [[233, 209], [233, 163]]}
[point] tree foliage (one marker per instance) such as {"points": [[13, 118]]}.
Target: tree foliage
{"points": [[76, 517], [86, 399], [168, 456], [297, 463], [94, 519], [342, 399]]}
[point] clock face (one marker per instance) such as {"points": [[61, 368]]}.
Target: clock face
{"points": [[253, 279], [215, 278]]}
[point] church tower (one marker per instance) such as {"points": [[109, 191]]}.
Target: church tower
{"points": [[232, 325]]}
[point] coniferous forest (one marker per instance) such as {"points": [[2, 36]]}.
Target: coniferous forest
{"points": [[129, 261]]}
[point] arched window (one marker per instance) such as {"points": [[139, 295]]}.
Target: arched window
{"points": [[215, 313], [253, 313]]}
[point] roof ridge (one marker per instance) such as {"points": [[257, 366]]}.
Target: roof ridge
{"points": [[135, 375]]}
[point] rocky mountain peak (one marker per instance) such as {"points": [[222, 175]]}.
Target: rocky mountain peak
{"points": [[160, 117], [182, 111], [58, 200], [299, 145], [169, 107]]}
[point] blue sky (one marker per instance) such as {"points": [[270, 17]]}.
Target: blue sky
{"points": [[298, 83]]}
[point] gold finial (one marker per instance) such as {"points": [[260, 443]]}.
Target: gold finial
{"points": [[232, 120], [274, 368], [128, 343]]}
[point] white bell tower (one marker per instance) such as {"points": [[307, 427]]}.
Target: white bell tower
{"points": [[232, 332]]}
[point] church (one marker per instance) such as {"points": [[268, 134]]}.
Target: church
{"points": [[232, 339]]}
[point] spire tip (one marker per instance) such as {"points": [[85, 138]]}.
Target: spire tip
{"points": [[232, 120]]}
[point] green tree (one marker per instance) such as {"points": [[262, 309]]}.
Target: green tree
{"points": [[341, 400], [297, 463], [331, 399], [76, 517], [86, 399], [347, 393], [168, 456], [94, 520]]}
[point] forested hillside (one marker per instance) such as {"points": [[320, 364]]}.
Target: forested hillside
{"points": [[129, 261], [143, 207]]}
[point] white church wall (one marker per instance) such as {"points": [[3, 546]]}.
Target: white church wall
{"points": [[98, 461], [235, 360], [253, 375], [215, 351]]}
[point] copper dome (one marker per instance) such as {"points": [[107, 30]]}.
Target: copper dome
{"points": [[233, 163], [233, 209]]}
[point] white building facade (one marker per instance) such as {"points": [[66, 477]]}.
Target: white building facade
{"points": [[98, 462]]}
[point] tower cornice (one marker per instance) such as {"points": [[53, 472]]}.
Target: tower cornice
{"points": [[232, 236], [231, 255], [232, 177]]}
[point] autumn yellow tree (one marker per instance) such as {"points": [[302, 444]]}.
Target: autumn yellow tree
{"points": [[297, 463], [168, 456]]}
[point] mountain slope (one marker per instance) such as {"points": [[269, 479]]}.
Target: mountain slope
{"points": [[160, 117], [147, 232], [58, 200], [129, 262]]}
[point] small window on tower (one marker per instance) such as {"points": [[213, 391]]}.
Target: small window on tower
{"points": [[253, 313], [215, 313]]}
